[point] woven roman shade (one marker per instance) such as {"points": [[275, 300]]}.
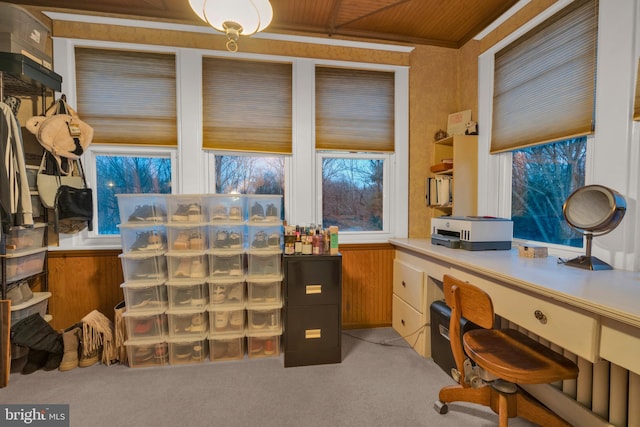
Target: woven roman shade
{"points": [[128, 97], [544, 87], [354, 110], [247, 105]]}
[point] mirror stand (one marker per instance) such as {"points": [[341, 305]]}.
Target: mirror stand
{"points": [[587, 261]]}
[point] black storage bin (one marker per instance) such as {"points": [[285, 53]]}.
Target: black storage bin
{"points": [[440, 345]]}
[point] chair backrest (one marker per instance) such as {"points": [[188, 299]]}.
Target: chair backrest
{"points": [[470, 302]]}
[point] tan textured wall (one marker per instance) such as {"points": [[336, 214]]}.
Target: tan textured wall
{"points": [[433, 82]]}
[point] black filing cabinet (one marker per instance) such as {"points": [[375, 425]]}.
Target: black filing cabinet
{"points": [[440, 344], [313, 309]]}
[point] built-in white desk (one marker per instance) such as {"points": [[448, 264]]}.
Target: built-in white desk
{"points": [[594, 315]]}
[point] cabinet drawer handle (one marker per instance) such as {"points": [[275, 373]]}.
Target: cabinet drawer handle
{"points": [[312, 333], [313, 289], [540, 316]]}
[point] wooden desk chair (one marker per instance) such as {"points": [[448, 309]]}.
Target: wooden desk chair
{"points": [[502, 358]]}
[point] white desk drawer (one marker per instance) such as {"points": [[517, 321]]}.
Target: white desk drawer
{"points": [[569, 327], [620, 344], [408, 322], [408, 283]]}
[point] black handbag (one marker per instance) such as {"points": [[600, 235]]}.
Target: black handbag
{"points": [[74, 204]]}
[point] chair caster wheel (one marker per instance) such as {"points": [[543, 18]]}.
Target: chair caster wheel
{"points": [[440, 407]]}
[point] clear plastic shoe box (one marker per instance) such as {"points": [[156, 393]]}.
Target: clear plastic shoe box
{"points": [[226, 207], [184, 208], [143, 238], [187, 237], [25, 238], [147, 352], [264, 264], [22, 264], [264, 318], [147, 267], [228, 291], [187, 323], [146, 325], [188, 350], [226, 264], [264, 292], [227, 236], [228, 347], [264, 208], [187, 265], [144, 296], [226, 320], [142, 208], [263, 343], [266, 237], [187, 295]]}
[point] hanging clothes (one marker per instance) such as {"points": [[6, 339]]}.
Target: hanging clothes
{"points": [[15, 196]]}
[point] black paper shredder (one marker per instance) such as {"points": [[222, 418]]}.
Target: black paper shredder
{"points": [[440, 345]]}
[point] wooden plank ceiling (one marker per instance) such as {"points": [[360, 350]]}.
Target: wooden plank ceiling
{"points": [[447, 23]]}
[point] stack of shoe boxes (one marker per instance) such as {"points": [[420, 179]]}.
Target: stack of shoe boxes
{"points": [[246, 235], [264, 275], [143, 232], [190, 261], [188, 270]]}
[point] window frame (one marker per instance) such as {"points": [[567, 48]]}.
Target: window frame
{"points": [[353, 236], [91, 239], [495, 169], [191, 165]]}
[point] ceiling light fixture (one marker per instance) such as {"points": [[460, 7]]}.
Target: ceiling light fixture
{"points": [[234, 17]]}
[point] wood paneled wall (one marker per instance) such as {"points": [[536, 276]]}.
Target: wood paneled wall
{"points": [[367, 285], [83, 281]]}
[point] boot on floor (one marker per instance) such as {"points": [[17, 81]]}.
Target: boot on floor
{"points": [[36, 360], [71, 341], [34, 332]]}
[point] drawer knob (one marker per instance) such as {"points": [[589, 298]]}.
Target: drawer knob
{"points": [[402, 321], [404, 285], [540, 316]]}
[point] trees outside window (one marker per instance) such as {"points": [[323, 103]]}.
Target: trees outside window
{"points": [[249, 174], [543, 177], [127, 175], [352, 193]]}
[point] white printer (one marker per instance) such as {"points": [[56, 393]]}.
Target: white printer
{"points": [[473, 233]]}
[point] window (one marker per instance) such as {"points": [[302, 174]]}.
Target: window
{"points": [[543, 177], [352, 193], [251, 130], [122, 174], [129, 98], [542, 110], [354, 114], [249, 174]]}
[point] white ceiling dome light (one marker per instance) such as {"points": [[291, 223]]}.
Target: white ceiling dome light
{"points": [[234, 17]]}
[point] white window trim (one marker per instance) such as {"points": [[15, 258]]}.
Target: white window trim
{"points": [[358, 237], [617, 26], [190, 166]]}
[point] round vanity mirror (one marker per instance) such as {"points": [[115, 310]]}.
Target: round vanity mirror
{"points": [[593, 210]]}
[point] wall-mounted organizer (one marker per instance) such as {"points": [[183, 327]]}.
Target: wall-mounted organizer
{"points": [[189, 262], [452, 188], [23, 250]]}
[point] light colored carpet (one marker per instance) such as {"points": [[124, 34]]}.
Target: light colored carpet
{"points": [[375, 385]]}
